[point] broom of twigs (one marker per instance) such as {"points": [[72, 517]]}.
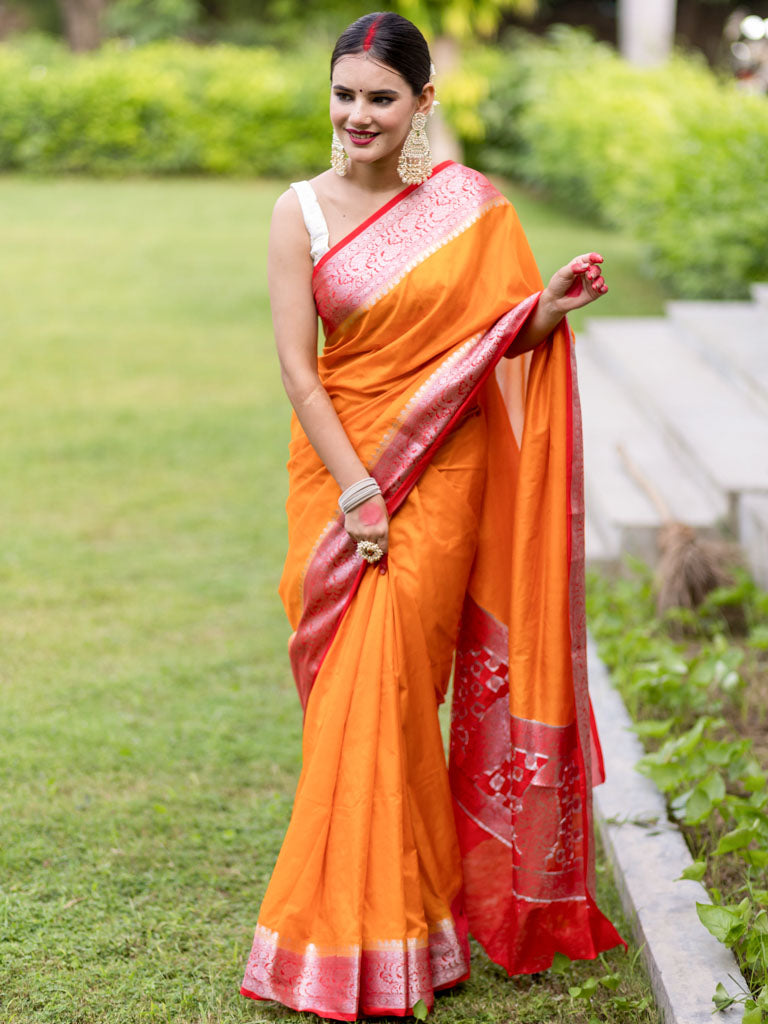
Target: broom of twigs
{"points": [[689, 566]]}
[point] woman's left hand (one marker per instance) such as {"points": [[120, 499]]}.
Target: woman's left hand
{"points": [[577, 283], [572, 286]]}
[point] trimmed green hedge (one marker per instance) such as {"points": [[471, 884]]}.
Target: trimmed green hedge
{"points": [[164, 108], [673, 155]]}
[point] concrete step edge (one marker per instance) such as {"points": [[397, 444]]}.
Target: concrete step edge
{"points": [[739, 377], [610, 419], [647, 853], [601, 546], [653, 412], [753, 535]]}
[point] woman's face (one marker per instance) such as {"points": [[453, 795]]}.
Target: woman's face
{"points": [[372, 107]]}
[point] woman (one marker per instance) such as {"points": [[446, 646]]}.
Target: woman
{"points": [[434, 514]]}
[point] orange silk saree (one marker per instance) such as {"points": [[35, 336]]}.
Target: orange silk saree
{"points": [[390, 857]]}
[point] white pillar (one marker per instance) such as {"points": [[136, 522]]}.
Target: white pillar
{"points": [[646, 30]]}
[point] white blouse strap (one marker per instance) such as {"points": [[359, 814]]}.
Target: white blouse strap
{"points": [[313, 219]]}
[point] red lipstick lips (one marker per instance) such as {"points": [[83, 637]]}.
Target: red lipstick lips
{"points": [[361, 138]]}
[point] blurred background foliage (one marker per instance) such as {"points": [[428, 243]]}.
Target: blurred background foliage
{"points": [[86, 23], [163, 108], [675, 155]]}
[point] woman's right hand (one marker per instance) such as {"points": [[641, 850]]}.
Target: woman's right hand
{"points": [[369, 521]]}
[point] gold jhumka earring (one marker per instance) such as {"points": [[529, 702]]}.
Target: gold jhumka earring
{"points": [[415, 163], [339, 158]]}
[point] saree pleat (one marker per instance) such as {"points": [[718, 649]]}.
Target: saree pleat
{"points": [[389, 858]]}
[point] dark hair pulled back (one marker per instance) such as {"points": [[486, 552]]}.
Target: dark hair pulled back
{"points": [[390, 39]]}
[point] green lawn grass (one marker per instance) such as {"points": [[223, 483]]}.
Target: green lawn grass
{"points": [[149, 729]]}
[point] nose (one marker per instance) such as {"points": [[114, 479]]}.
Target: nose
{"points": [[360, 115]]}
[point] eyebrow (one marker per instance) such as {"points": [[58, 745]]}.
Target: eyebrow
{"points": [[371, 92]]}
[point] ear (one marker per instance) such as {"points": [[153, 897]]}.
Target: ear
{"points": [[426, 99]]}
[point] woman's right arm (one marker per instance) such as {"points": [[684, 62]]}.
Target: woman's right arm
{"points": [[294, 318]]}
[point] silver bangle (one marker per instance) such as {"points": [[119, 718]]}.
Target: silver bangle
{"points": [[358, 493]]}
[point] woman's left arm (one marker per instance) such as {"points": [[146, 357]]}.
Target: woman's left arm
{"points": [[575, 285]]}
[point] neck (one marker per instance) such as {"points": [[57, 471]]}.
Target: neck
{"points": [[380, 176]]}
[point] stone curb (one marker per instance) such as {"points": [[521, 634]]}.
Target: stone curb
{"points": [[647, 853]]}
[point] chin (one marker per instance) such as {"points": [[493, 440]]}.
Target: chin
{"points": [[364, 157]]}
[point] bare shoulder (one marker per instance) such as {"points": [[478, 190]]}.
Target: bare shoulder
{"points": [[323, 184], [288, 239], [289, 274], [286, 212]]}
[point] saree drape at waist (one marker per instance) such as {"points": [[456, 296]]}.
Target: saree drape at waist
{"points": [[388, 857]]}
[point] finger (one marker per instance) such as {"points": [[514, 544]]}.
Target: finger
{"points": [[383, 543], [580, 264], [382, 539]]}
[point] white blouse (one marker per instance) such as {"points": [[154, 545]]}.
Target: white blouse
{"points": [[313, 219]]}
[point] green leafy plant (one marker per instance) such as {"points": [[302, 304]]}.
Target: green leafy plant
{"points": [[420, 1011], [715, 785], [601, 992]]}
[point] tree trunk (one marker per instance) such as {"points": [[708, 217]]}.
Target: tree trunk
{"points": [[82, 23], [646, 30], [703, 24]]}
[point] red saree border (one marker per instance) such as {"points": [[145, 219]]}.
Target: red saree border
{"points": [[589, 746], [374, 217], [334, 570], [388, 978]]}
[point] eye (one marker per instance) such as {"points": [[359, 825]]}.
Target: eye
{"points": [[343, 95], [384, 100]]}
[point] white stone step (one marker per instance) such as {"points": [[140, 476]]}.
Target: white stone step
{"points": [[753, 534], [760, 294], [732, 337], [616, 504], [721, 434], [601, 543]]}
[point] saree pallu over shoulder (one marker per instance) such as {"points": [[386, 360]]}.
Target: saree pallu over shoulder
{"points": [[389, 858], [408, 230]]}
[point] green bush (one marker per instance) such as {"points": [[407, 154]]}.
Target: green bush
{"points": [[673, 154], [164, 108]]}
